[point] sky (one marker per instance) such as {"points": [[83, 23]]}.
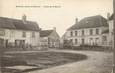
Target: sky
{"points": [[61, 15]]}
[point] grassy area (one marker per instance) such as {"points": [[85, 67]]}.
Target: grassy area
{"points": [[41, 59]]}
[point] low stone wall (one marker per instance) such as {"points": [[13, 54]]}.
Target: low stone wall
{"points": [[90, 48]]}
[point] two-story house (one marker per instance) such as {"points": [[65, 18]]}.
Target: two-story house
{"points": [[49, 39], [18, 33], [88, 31]]}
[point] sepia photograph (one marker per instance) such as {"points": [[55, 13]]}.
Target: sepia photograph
{"points": [[57, 36]]}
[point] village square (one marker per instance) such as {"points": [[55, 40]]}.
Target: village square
{"points": [[25, 47], [57, 36]]}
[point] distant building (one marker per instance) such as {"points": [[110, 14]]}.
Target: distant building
{"points": [[63, 38], [89, 31], [49, 39], [18, 33]]}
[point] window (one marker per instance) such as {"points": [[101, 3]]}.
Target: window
{"points": [[75, 41], [97, 31], [83, 41], [82, 32], [97, 38], [97, 41], [75, 33], [91, 31], [91, 41], [104, 38], [71, 33], [33, 34], [12, 33], [91, 38], [2, 32], [23, 34], [71, 40]]}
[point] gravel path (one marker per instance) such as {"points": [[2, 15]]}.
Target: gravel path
{"points": [[97, 62]]}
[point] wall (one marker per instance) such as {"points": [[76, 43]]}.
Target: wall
{"points": [[12, 35], [43, 41], [96, 38], [54, 39], [105, 42]]}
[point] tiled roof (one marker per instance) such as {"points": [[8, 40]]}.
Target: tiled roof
{"points": [[90, 22], [45, 33], [9, 23]]}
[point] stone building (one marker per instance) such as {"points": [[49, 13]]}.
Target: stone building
{"points": [[18, 33], [49, 39], [89, 31]]}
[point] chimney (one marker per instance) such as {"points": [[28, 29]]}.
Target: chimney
{"points": [[24, 18], [108, 15], [54, 28], [76, 20]]}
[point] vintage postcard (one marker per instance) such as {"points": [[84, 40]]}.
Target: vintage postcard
{"points": [[56, 36]]}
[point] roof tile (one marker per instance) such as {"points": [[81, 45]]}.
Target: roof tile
{"points": [[90, 22], [45, 33], [9, 23]]}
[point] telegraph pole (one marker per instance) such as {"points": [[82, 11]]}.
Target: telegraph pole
{"points": [[114, 36]]}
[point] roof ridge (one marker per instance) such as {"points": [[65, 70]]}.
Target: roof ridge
{"points": [[11, 23], [44, 33], [46, 30], [17, 19], [92, 16], [93, 21]]}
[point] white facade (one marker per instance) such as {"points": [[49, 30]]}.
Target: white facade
{"points": [[86, 36], [10, 36]]}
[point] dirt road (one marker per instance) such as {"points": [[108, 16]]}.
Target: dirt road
{"points": [[97, 62]]}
